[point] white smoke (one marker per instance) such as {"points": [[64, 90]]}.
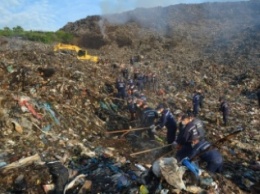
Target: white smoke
{"points": [[118, 6], [111, 10]]}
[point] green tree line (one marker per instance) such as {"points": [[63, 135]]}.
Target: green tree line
{"points": [[38, 36]]}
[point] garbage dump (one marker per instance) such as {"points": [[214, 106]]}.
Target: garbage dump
{"points": [[58, 113]]}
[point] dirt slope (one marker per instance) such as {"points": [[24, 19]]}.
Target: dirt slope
{"points": [[212, 46]]}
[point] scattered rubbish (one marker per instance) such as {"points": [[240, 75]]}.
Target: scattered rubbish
{"points": [[59, 105], [78, 180], [2, 164], [17, 127], [20, 183], [86, 187], [140, 167], [143, 190], [60, 175], [22, 162], [169, 169]]}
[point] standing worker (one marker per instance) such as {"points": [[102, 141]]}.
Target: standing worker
{"points": [[258, 96], [168, 121], [197, 102], [140, 82], [224, 109], [131, 105], [148, 117], [121, 88]]}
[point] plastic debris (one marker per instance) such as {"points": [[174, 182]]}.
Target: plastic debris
{"points": [[168, 169], [143, 190], [17, 127]]}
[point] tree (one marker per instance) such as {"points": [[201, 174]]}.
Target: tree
{"points": [[18, 29], [7, 29]]}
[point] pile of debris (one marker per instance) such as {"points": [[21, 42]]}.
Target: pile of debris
{"points": [[54, 107]]}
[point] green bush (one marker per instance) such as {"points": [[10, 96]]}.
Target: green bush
{"points": [[38, 36]]}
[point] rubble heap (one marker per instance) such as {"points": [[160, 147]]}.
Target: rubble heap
{"points": [[56, 107]]}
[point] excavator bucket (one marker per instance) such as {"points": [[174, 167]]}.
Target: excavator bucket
{"points": [[81, 54], [61, 46]]}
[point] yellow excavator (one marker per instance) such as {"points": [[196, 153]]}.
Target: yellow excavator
{"points": [[81, 54]]}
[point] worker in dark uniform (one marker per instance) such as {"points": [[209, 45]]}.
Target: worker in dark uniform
{"points": [[184, 137], [125, 72], [121, 88], [224, 108], [199, 125], [258, 96], [154, 82], [131, 105], [148, 117], [197, 102], [167, 120], [212, 157], [140, 82], [130, 87]]}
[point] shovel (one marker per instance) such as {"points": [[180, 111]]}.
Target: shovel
{"points": [[126, 130], [149, 150]]}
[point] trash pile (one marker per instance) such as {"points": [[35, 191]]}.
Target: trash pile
{"points": [[55, 111]]}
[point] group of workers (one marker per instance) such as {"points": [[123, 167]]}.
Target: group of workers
{"points": [[140, 81], [190, 140]]}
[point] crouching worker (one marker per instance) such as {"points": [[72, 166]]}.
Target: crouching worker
{"points": [[212, 157], [184, 137]]}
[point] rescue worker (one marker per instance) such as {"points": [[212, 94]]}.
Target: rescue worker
{"points": [[131, 105], [199, 125], [179, 123], [146, 80], [136, 73], [148, 117], [184, 137], [139, 110], [224, 108], [212, 157], [132, 60], [197, 102], [258, 96], [154, 82], [201, 99], [121, 87], [130, 87], [125, 72], [167, 120], [143, 97], [140, 82]]}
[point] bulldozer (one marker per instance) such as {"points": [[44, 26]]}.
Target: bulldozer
{"points": [[81, 53]]}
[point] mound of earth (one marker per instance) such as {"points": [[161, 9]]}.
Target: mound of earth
{"points": [[64, 115]]}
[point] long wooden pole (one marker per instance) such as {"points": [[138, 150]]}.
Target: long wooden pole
{"points": [[125, 130], [149, 150]]}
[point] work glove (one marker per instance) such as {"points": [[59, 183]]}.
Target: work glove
{"points": [[191, 166], [154, 130], [184, 160], [152, 127], [174, 144]]}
